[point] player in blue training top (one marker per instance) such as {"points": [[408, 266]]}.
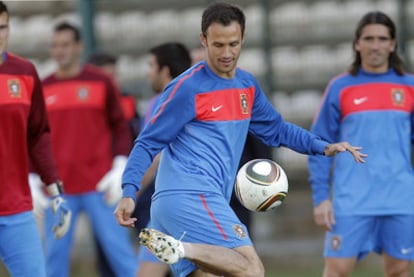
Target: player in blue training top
{"points": [[200, 128], [372, 106], [166, 61]]}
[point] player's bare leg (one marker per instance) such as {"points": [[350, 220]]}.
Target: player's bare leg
{"points": [[240, 261], [395, 267], [339, 267]]}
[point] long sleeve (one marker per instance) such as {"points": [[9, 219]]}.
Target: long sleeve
{"points": [[39, 141], [325, 125]]}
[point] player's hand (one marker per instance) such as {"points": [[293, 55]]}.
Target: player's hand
{"points": [[39, 198], [323, 215], [110, 184], [60, 209], [123, 212], [335, 148]]}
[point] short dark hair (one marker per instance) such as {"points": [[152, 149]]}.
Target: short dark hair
{"points": [[377, 17], [174, 55], [66, 26], [102, 59], [224, 14], [3, 8]]}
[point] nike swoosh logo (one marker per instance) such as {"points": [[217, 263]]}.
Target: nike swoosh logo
{"points": [[51, 99], [359, 101], [406, 251], [215, 109]]}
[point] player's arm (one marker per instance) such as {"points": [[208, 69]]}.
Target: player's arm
{"points": [[175, 110], [118, 123], [268, 125], [412, 127], [110, 184], [38, 136], [150, 174], [41, 156], [326, 124]]}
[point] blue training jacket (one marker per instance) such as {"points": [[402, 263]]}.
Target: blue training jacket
{"points": [[374, 111], [201, 124]]}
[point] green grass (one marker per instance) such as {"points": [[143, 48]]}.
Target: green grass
{"points": [[273, 273], [307, 273], [370, 267]]}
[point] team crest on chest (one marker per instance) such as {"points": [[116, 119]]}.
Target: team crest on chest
{"points": [[14, 88], [83, 94], [244, 104], [398, 96]]}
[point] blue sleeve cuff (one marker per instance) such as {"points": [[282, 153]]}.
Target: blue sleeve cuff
{"points": [[318, 146], [129, 190], [320, 194]]}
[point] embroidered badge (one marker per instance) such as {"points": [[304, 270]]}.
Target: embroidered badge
{"points": [[14, 88], [398, 96], [83, 94], [244, 103], [336, 242], [239, 230]]}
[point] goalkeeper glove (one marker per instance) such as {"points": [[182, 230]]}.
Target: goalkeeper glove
{"points": [[40, 200], [111, 183], [60, 208]]}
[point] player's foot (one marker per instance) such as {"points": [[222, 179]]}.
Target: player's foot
{"points": [[166, 248]]}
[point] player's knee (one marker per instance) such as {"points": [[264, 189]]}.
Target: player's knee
{"points": [[338, 267], [330, 271], [397, 269], [336, 272], [255, 270], [252, 265]]}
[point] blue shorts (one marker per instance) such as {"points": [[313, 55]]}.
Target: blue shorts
{"points": [[21, 247], [205, 218], [356, 236], [113, 238]]}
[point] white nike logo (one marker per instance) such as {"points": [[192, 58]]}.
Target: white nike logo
{"points": [[406, 251], [359, 101], [215, 109], [51, 99]]}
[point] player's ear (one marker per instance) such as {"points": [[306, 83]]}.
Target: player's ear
{"points": [[356, 46], [393, 45], [203, 39], [80, 46], [165, 70]]}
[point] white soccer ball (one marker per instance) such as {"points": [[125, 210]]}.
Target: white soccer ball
{"points": [[261, 185]]}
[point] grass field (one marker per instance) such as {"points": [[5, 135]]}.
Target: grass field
{"points": [[89, 272]]}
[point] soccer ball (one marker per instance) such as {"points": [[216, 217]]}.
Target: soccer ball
{"points": [[261, 185]]}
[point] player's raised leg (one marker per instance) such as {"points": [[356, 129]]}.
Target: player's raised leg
{"points": [[200, 232], [240, 261]]}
